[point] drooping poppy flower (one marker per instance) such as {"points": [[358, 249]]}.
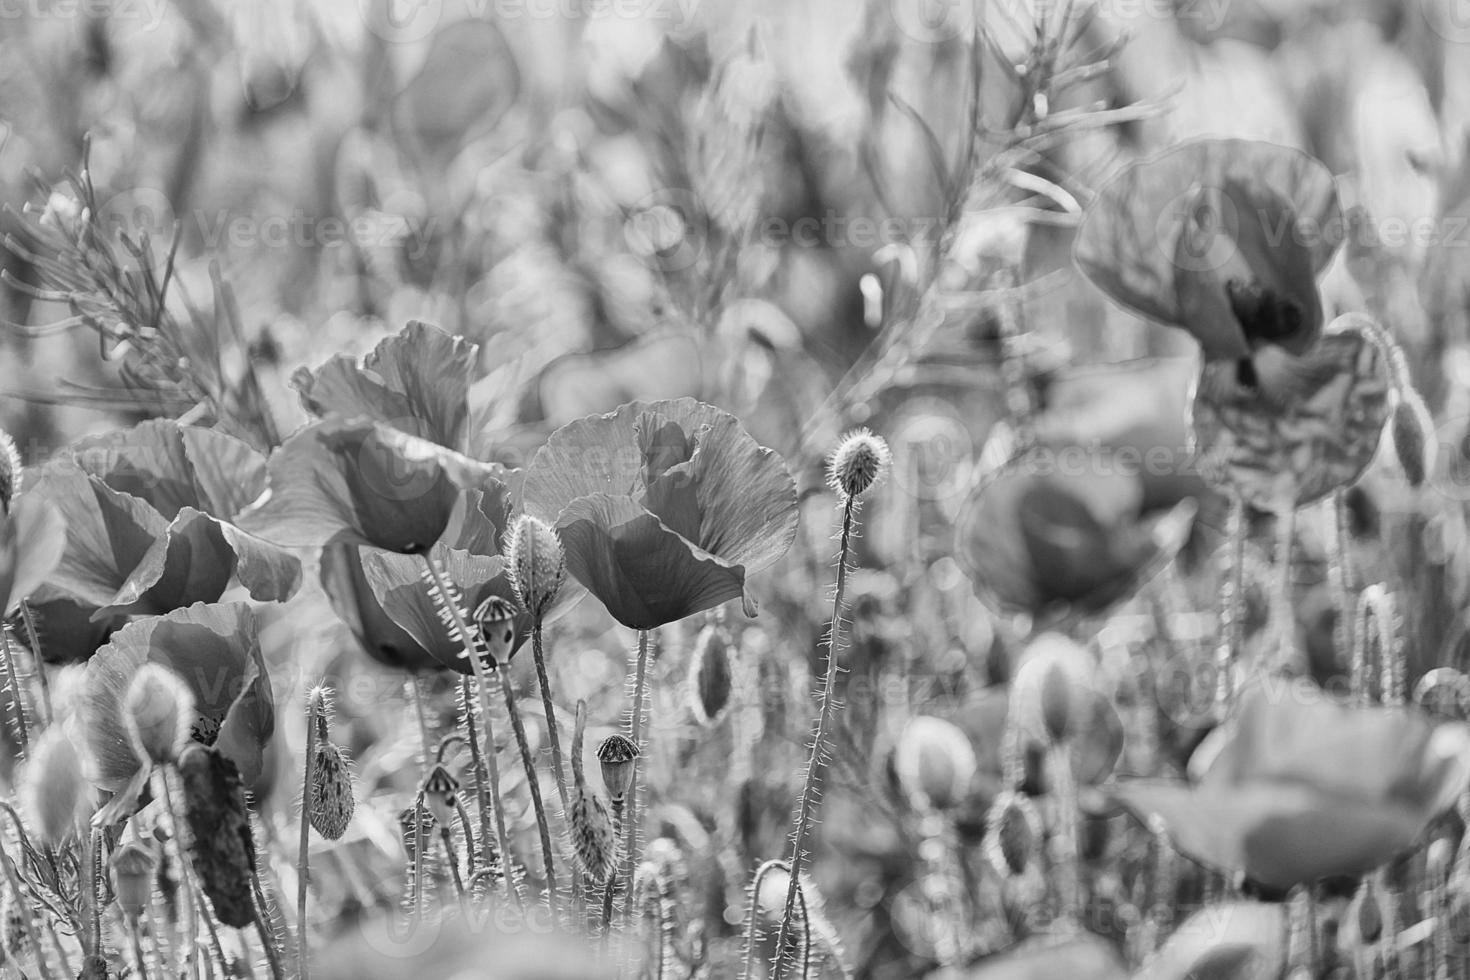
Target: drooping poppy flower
{"points": [[1303, 788], [359, 482], [214, 649], [149, 515], [1224, 238], [664, 508]]}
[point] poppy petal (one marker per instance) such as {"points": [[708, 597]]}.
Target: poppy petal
{"points": [[417, 380], [353, 599], [1237, 940], [111, 537], [32, 542], [643, 572], [363, 483]]}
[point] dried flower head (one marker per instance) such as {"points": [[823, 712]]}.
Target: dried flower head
{"points": [[54, 791], [10, 471], [710, 677], [593, 840], [538, 563], [618, 755], [159, 713], [859, 464], [441, 794], [220, 844], [330, 806], [132, 878], [496, 620]]}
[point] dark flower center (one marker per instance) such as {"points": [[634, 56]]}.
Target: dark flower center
{"points": [[1265, 315]]}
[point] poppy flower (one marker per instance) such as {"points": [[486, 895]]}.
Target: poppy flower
{"points": [[1224, 238], [1104, 498], [1306, 789], [214, 649], [1235, 939], [355, 481], [32, 540], [664, 508], [149, 517]]}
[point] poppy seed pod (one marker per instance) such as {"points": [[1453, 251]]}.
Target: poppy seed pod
{"points": [[220, 845], [159, 712], [331, 805], [618, 755], [934, 762], [593, 840], [709, 675], [858, 464], [132, 878], [441, 795], [496, 620], [1411, 442], [54, 792], [538, 563], [10, 471], [1014, 833]]}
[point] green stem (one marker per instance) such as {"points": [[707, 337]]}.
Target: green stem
{"points": [[635, 734], [22, 730], [466, 638], [806, 809], [533, 782], [34, 636], [303, 854], [1232, 596]]}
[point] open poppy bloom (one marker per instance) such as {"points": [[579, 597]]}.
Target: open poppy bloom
{"points": [[214, 649], [1102, 501], [1302, 790], [149, 515], [1224, 238], [664, 508], [360, 482], [32, 540]]}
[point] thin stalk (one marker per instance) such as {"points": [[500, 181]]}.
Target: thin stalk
{"points": [[446, 834], [194, 908], [528, 762], [264, 928], [1282, 614], [553, 730], [34, 636], [612, 875], [635, 734], [416, 695], [466, 638], [22, 730], [482, 771], [806, 809], [135, 938], [314, 717], [1231, 612], [1339, 577], [13, 879]]}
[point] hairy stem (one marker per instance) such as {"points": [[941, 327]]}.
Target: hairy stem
{"points": [[303, 854], [806, 809], [528, 762], [12, 676], [1232, 594], [34, 637], [635, 734]]}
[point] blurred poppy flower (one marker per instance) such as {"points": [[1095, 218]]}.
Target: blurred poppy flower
{"points": [[149, 517], [214, 649], [359, 482], [1299, 790], [663, 507], [1224, 238], [1236, 939], [32, 541]]}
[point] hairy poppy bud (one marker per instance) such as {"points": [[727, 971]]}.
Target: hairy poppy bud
{"points": [[331, 805], [221, 847], [538, 564], [1013, 834], [1370, 916], [496, 619], [1411, 442], [593, 840], [54, 792], [858, 464], [934, 762], [618, 755], [709, 675], [132, 878], [10, 471], [1056, 703], [159, 713], [441, 795]]}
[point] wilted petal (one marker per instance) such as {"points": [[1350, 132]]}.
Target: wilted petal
{"points": [[643, 572], [215, 651], [363, 483], [417, 381]]}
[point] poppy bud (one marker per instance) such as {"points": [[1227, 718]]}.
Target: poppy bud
{"points": [[1056, 703], [593, 840], [159, 713], [10, 471], [1013, 834], [132, 878], [221, 848], [618, 755], [331, 804], [1411, 442], [54, 791], [934, 762], [1370, 916], [538, 564], [441, 795], [496, 619], [858, 464], [709, 675]]}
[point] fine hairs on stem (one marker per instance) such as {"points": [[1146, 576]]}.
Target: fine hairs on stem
{"points": [[855, 468]]}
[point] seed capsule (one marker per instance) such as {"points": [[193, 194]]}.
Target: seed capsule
{"points": [[496, 620], [331, 805], [859, 464], [441, 795], [159, 713], [538, 564], [618, 755], [132, 878], [1013, 833], [1411, 442]]}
